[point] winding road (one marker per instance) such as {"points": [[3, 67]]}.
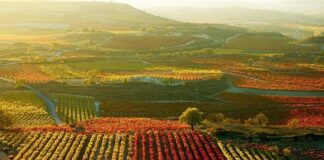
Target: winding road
{"points": [[51, 106]]}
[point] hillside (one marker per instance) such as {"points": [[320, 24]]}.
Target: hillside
{"points": [[266, 41], [296, 25], [235, 15], [67, 15]]}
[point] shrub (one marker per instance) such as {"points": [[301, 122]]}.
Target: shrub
{"points": [[287, 152], [5, 119], [293, 123]]}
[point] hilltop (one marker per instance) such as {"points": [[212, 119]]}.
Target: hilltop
{"points": [[68, 14]]}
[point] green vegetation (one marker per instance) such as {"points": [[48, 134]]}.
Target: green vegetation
{"points": [[74, 108], [267, 42], [132, 42], [25, 109], [315, 40], [259, 119], [107, 65], [73, 72], [191, 116], [5, 120]]}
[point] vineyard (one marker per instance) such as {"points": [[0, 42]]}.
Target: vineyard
{"points": [[140, 145], [61, 71], [308, 111], [163, 74], [26, 108], [104, 125], [99, 80], [75, 108], [153, 74], [266, 80], [132, 42], [268, 75], [233, 151], [175, 145], [24, 72], [64, 145]]}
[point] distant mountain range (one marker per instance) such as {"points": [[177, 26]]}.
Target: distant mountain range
{"points": [[234, 15]]}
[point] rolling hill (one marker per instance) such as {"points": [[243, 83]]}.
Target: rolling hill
{"points": [[234, 15], [67, 15], [296, 25]]}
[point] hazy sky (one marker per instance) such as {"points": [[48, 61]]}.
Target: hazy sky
{"points": [[192, 3], [286, 5], [269, 4]]}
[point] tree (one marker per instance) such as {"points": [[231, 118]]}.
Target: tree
{"points": [[92, 74], [287, 152], [274, 149], [5, 119], [191, 116], [263, 119], [218, 118], [260, 119], [319, 59], [19, 84], [231, 121], [293, 123]]}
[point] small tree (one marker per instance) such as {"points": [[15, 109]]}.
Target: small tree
{"points": [[191, 116], [293, 123], [19, 84], [287, 152], [274, 149], [5, 119], [263, 119], [218, 118]]}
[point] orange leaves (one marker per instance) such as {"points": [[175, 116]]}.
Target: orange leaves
{"points": [[26, 73], [107, 125]]}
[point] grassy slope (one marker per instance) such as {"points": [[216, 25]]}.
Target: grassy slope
{"points": [[267, 42]]}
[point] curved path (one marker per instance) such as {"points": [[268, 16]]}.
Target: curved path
{"points": [[59, 53], [51, 107]]}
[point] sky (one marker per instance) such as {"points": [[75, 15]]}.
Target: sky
{"points": [[190, 3], [283, 5], [292, 5]]}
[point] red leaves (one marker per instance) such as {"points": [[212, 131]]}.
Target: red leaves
{"points": [[189, 145], [26, 73], [106, 125], [308, 111]]}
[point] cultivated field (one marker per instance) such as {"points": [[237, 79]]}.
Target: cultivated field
{"points": [[107, 81]]}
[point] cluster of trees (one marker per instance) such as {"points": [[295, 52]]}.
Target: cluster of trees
{"points": [[259, 120], [192, 116], [6, 119]]}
